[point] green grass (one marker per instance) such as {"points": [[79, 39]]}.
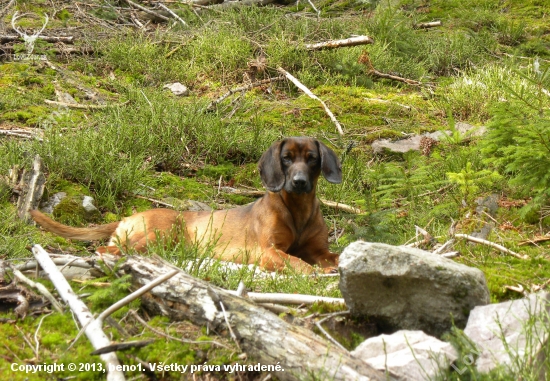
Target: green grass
{"points": [[153, 144]]}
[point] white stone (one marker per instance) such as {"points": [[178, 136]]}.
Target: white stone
{"points": [[407, 355]]}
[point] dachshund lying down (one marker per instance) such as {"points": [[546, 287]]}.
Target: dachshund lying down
{"points": [[283, 228]]}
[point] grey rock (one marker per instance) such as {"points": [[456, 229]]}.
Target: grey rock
{"points": [[468, 130], [404, 145], [487, 204], [512, 333], [53, 201], [407, 355], [413, 143], [406, 288], [88, 204]]}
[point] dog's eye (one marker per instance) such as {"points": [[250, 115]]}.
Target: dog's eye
{"points": [[287, 160], [312, 159]]}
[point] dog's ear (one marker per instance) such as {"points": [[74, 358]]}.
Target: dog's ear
{"points": [[330, 164], [271, 168]]}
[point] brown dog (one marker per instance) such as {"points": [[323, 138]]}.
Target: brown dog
{"points": [[283, 228]]}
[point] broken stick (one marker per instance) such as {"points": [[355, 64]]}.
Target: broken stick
{"points": [[333, 44], [492, 244], [308, 92], [94, 332]]}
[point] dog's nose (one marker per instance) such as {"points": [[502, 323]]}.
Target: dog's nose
{"points": [[299, 181]]}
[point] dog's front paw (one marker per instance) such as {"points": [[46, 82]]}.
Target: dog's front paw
{"points": [[330, 270]]}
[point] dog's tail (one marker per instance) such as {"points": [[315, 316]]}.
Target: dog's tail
{"points": [[81, 234]]}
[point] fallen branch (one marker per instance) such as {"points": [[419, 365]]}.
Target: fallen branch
{"points": [[127, 300], [444, 247], [340, 206], [81, 106], [491, 244], [155, 201], [427, 25], [297, 299], [72, 261], [95, 334], [333, 44], [295, 349], [379, 74], [32, 188], [250, 86], [308, 92], [174, 15], [65, 39], [20, 134], [534, 241], [41, 288], [147, 10], [258, 193], [324, 332]]}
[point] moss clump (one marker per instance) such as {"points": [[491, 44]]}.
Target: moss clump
{"points": [[71, 212]]}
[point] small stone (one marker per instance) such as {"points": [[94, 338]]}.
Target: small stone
{"points": [[53, 201], [177, 89], [407, 355]]}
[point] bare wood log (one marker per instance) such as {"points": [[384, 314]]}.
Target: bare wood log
{"points": [[93, 331], [333, 44], [81, 106], [308, 92], [492, 244], [427, 25], [296, 349], [65, 39], [25, 134], [32, 187]]}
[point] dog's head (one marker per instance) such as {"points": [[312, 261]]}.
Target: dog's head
{"points": [[294, 164]]}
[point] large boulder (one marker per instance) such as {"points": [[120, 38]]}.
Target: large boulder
{"points": [[512, 333], [405, 288], [407, 355]]}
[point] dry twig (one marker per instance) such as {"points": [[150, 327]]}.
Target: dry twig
{"points": [[93, 331], [427, 25], [324, 332], [81, 106], [41, 288], [491, 244], [147, 10], [333, 44], [308, 92], [298, 299]]}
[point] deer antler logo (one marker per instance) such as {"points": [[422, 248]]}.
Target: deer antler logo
{"points": [[29, 40]]}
